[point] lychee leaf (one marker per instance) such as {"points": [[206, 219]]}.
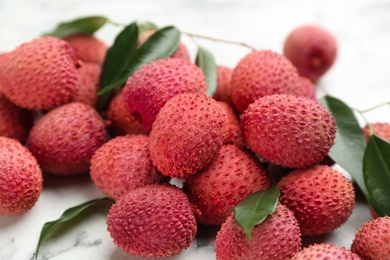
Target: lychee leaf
{"points": [[255, 208], [376, 170], [85, 25], [68, 215], [146, 26], [206, 62], [348, 150]]}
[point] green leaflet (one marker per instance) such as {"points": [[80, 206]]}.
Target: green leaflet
{"points": [[206, 62]]}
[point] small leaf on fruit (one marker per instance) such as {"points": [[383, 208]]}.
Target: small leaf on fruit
{"points": [[376, 170], [146, 26], [206, 62], [86, 25], [255, 208]]}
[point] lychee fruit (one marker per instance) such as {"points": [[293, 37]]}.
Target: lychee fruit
{"points": [[232, 176], [223, 92], [122, 165], [41, 74], [89, 76], [324, 252], [234, 135], [64, 140], [146, 92], [289, 131], [382, 130], [312, 50], [321, 198], [15, 122], [277, 238], [262, 73], [308, 89], [122, 121], [152, 221], [88, 48], [372, 240], [20, 178], [187, 134]]}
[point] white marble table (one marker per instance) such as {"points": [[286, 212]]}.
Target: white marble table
{"points": [[360, 77]]}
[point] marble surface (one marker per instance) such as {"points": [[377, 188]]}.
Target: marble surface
{"points": [[360, 77]]}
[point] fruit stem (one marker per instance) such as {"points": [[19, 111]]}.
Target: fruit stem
{"points": [[372, 108], [192, 35]]}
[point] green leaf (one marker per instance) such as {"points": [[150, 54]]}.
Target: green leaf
{"points": [[86, 25], [163, 43], [376, 169], [68, 215], [146, 26], [255, 208], [206, 62], [348, 150]]}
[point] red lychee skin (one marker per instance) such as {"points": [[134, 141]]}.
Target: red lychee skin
{"points": [[15, 122], [325, 251], [232, 176], [320, 197], [41, 74], [278, 237], [312, 50], [121, 121], [223, 91], [152, 221], [89, 76], [308, 89], [20, 178], [64, 139], [122, 165], [380, 129], [372, 240], [262, 73], [146, 92], [88, 48], [289, 131], [187, 134], [234, 135]]}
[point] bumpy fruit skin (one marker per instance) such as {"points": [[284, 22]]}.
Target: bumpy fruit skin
{"points": [[146, 92], [20, 178], [152, 221], [89, 74], [372, 240], [277, 238], [262, 73], [121, 121], [88, 48], [325, 251], [187, 134], [15, 122], [41, 74], [308, 89], [223, 91], [122, 165], [289, 131], [234, 135], [232, 176], [312, 50], [380, 129], [64, 139], [320, 197]]}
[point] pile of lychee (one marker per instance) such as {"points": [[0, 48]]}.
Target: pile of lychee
{"points": [[161, 126]]}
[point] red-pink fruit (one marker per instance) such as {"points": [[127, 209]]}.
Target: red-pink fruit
{"points": [[325, 251], [289, 131], [122, 165], [234, 135], [277, 238], [121, 121], [152, 221], [312, 50], [223, 91], [187, 134], [20, 178], [89, 74], [64, 139], [372, 240], [308, 89], [88, 48], [155, 83], [262, 73], [15, 122], [41, 74], [232, 176], [380, 129], [320, 197]]}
